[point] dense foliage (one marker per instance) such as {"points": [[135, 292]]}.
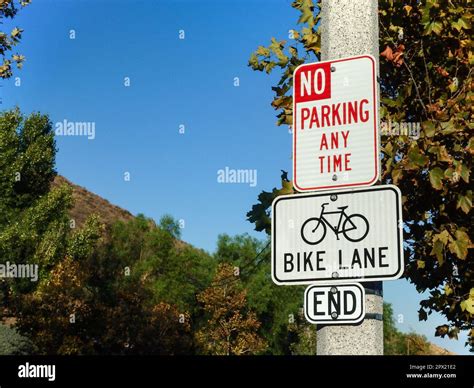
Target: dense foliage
{"points": [[425, 77]]}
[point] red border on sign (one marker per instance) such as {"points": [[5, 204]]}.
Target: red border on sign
{"points": [[376, 139]]}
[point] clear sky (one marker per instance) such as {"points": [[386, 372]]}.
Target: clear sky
{"points": [[173, 82]]}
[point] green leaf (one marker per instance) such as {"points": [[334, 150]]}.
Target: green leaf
{"points": [[434, 26], [263, 51], [416, 157], [436, 178], [444, 237], [306, 15], [438, 251], [453, 86], [388, 149], [397, 174], [287, 187], [269, 67], [465, 202], [443, 155], [465, 172], [449, 127], [464, 23], [448, 290], [429, 128], [460, 244], [470, 145], [391, 102], [16, 32], [468, 304]]}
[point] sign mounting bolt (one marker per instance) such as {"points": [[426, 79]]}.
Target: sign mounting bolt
{"points": [[333, 69], [334, 177], [334, 315], [333, 290], [333, 197], [335, 275]]}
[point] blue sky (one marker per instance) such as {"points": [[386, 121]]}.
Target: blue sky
{"points": [[173, 82]]}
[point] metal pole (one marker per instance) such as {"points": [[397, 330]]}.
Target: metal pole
{"points": [[349, 28]]}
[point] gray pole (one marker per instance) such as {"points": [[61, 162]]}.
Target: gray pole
{"points": [[349, 28]]}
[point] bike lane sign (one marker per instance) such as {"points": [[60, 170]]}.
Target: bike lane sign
{"points": [[350, 234]]}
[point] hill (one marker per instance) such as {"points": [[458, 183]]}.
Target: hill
{"points": [[87, 203]]}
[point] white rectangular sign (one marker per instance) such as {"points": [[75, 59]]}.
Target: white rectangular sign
{"points": [[335, 124], [344, 234], [334, 305]]}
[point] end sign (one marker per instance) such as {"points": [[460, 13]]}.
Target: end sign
{"points": [[334, 304], [335, 124]]}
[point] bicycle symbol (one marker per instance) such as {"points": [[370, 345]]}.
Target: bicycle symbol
{"points": [[355, 227]]}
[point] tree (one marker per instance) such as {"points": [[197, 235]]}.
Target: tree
{"points": [[90, 304], [27, 163], [169, 224], [12, 343], [392, 340], [84, 301], [231, 328], [8, 10], [425, 76], [277, 308], [397, 343], [306, 333], [432, 83], [34, 221], [174, 271]]}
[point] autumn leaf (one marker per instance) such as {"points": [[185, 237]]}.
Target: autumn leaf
{"points": [[441, 71], [387, 53], [394, 56]]}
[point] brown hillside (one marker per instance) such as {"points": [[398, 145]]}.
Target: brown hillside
{"points": [[87, 203], [438, 351]]}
